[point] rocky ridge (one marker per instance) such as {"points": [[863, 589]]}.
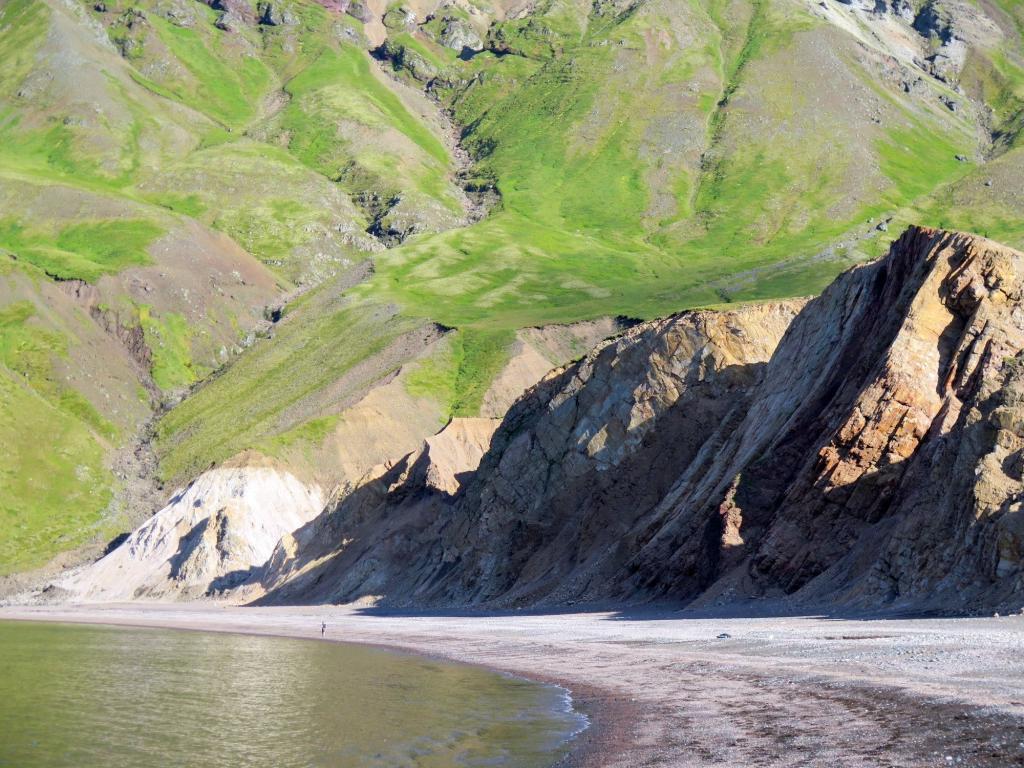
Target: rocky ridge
{"points": [[608, 431], [872, 459]]}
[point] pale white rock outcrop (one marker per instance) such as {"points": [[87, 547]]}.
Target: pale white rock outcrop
{"points": [[210, 537]]}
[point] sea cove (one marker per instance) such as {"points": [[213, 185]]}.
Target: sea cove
{"points": [[75, 695]]}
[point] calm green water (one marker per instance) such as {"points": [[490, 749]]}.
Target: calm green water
{"points": [[95, 696]]}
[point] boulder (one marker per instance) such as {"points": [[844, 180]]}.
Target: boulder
{"points": [[459, 35], [276, 15]]}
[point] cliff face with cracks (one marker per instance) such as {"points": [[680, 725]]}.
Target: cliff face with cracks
{"points": [[872, 458], [876, 465], [573, 465]]}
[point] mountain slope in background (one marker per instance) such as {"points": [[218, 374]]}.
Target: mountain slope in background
{"points": [[378, 203]]}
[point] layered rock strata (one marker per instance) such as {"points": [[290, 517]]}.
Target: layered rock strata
{"points": [[867, 453], [573, 466]]}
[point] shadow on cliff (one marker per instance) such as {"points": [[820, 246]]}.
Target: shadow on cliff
{"points": [[392, 546], [406, 539], [906, 540], [376, 522], [854, 578]]}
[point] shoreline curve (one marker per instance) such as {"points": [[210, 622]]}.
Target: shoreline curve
{"points": [[666, 688]]}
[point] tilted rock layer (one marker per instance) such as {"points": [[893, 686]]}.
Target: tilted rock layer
{"points": [[573, 465], [867, 453], [869, 468]]}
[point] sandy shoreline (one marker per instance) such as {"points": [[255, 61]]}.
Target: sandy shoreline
{"points": [[663, 690]]}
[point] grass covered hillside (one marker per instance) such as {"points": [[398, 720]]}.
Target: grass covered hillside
{"points": [[666, 154], [329, 224], [164, 180]]}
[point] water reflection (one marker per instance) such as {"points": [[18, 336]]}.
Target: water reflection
{"points": [[96, 696]]}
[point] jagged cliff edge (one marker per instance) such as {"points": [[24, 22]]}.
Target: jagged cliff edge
{"points": [[873, 458]]}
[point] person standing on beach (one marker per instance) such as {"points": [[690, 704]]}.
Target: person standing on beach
{"points": [[323, 628]]}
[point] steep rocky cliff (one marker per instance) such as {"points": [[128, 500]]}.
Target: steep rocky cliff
{"points": [[381, 522], [876, 463], [872, 459], [574, 464]]}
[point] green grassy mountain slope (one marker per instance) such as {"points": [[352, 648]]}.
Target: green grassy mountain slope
{"points": [[158, 190], [170, 168], [660, 155], [666, 154]]}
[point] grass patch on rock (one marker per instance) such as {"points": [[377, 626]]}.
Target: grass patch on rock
{"points": [[459, 375], [228, 90], [168, 338]]}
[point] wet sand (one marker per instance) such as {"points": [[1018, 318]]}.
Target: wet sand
{"points": [[663, 689]]}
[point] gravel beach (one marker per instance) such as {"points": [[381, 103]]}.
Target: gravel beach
{"points": [[667, 689]]}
